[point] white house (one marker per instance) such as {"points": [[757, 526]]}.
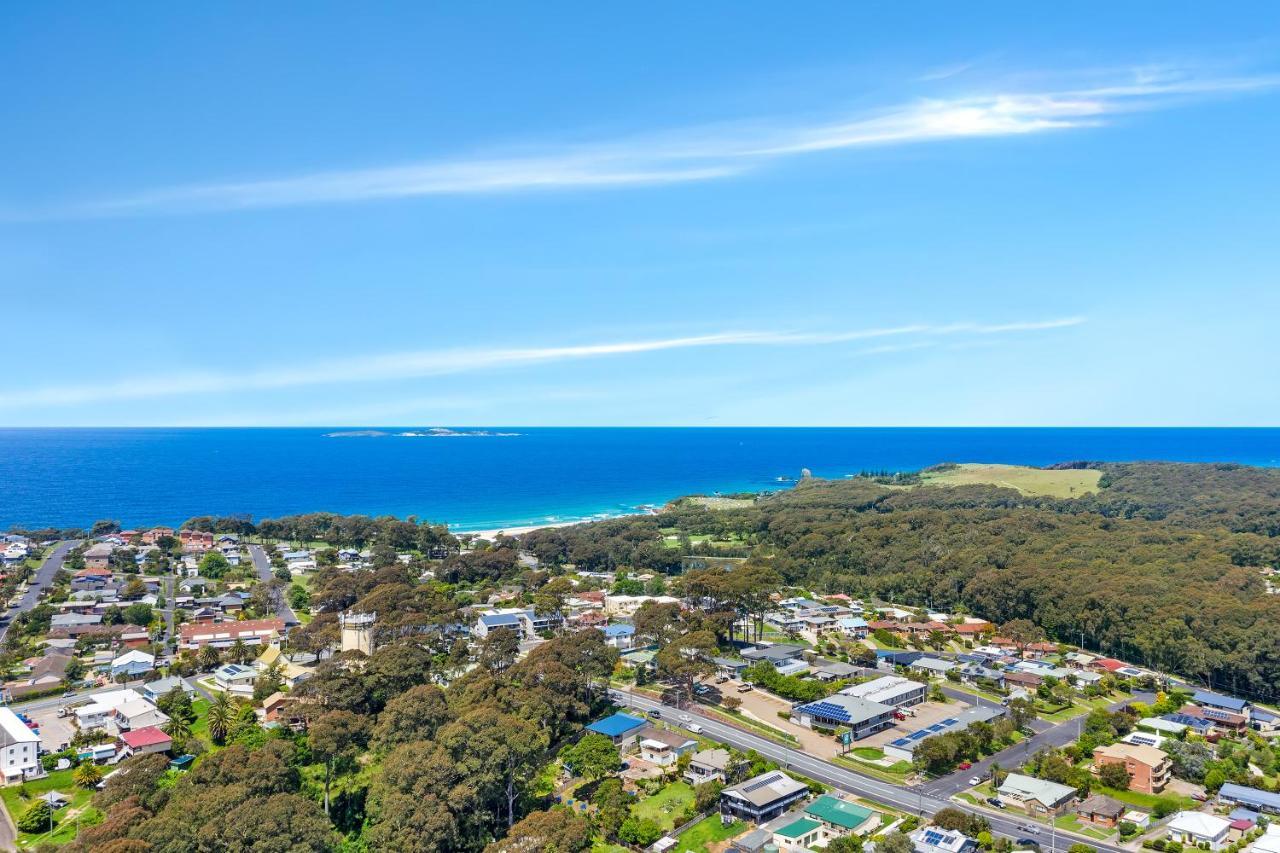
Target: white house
{"points": [[234, 678], [19, 748], [101, 710], [1197, 827], [137, 714]]}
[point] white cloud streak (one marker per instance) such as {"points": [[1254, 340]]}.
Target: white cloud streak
{"points": [[428, 363], [689, 154]]}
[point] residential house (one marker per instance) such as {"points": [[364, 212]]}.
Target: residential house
{"points": [[1208, 699], [1269, 842], [1196, 828], [1232, 794], [198, 540], [1101, 810], [854, 627], [776, 653], [1025, 680], [620, 636], [932, 667], [1223, 721], [1037, 797], [19, 748], [797, 836], [143, 741], [1263, 721], [47, 673], [708, 765], [935, 839], [154, 534], [137, 714], [661, 747], [132, 664], [862, 716], [761, 798], [1149, 768], [973, 673], [91, 578], [1198, 725], [236, 679], [98, 556], [890, 658], [840, 817], [830, 670], [153, 690], [627, 605], [619, 727]]}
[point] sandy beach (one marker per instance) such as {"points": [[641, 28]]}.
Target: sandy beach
{"points": [[516, 531]]}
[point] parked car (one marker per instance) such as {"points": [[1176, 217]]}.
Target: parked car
{"points": [[965, 765], [745, 688], [685, 718], [695, 728], [974, 781], [995, 801]]}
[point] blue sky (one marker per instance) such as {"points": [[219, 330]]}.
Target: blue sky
{"points": [[584, 213]]}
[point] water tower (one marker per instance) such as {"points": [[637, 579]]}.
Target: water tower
{"points": [[357, 631]]}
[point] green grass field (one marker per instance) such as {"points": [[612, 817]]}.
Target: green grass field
{"points": [[696, 838], [64, 829], [665, 807], [1029, 481], [1072, 823]]}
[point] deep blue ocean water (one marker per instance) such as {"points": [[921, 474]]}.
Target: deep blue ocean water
{"points": [[72, 477]]}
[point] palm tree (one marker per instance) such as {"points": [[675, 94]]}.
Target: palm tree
{"points": [[221, 715], [87, 775], [179, 727]]}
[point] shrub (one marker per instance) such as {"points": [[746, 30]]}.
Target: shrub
{"points": [[38, 818]]}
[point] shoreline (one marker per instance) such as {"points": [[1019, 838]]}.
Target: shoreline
{"points": [[517, 530]]}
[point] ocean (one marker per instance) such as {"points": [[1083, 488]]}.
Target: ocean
{"points": [[510, 476]]}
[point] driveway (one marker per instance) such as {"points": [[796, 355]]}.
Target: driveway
{"points": [[262, 565]]}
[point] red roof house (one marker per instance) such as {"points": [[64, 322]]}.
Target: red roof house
{"points": [[145, 740]]}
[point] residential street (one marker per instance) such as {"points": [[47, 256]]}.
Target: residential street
{"points": [[43, 577], [262, 564], [913, 800], [1047, 736]]}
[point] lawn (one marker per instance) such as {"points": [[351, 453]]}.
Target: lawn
{"points": [[893, 774], [599, 846], [696, 838], [1072, 823], [1147, 802], [665, 807], [60, 781], [1028, 481], [868, 753]]}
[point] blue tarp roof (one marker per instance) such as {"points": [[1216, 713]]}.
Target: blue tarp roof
{"points": [[617, 724], [1217, 700]]}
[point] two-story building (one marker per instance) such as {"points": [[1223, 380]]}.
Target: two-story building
{"points": [[1149, 768]]}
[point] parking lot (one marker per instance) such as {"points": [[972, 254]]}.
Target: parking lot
{"points": [[55, 731], [926, 714]]}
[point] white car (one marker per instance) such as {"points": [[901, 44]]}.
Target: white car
{"points": [[975, 781], [685, 718]]}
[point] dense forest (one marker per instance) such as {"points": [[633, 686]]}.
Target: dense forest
{"points": [[1165, 565]]}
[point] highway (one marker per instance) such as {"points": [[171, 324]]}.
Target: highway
{"points": [[914, 800], [262, 564], [44, 577]]}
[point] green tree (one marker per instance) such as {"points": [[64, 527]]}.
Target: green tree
{"points": [[221, 716], [895, 842], [1114, 775], [87, 775], [214, 565], [555, 831], [208, 658], [639, 831], [37, 818], [74, 671], [845, 844], [592, 757], [499, 649], [335, 736]]}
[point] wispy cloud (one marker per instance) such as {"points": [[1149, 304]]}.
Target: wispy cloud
{"points": [[693, 153], [428, 363]]}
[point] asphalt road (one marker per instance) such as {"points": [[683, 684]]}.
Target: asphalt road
{"points": [[914, 800], [44, 577], [1046, 737], [262, 564]]}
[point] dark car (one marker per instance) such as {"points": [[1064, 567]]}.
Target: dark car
{"points": [[1029, 843], [995, 801]]}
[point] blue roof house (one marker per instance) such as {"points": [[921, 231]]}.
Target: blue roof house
{"points": [[1217, 700], [619, 636], [1232, 794], [618, 727]]}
